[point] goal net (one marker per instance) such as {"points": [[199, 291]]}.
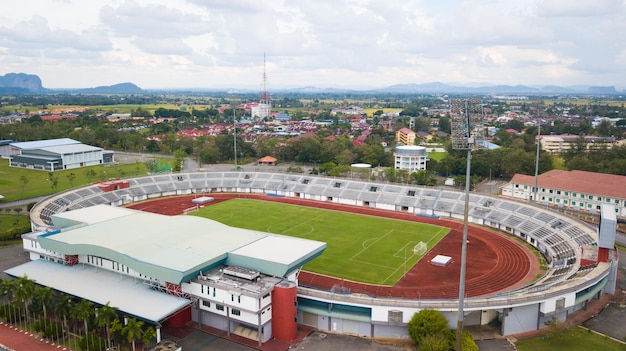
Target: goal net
{"points": [[420, 248]]}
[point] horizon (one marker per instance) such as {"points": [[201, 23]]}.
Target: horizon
{"points": [[346, 44]]}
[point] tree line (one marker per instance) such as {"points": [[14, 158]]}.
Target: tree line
{"points": [[76, 323]]}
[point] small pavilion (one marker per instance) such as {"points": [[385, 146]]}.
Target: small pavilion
{"points": [[267, 160]]}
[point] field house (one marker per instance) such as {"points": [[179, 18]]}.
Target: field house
{"points": [[127, 235]]}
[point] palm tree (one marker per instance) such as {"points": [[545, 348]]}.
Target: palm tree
{"points": [[83, 310], [132, 330], [105, 316], [116, 329], [25, 289], [7, 290], [62, 307], [148, 335], [43, 294]]}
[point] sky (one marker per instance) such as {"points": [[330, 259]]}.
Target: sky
{"points": [[357, 44]]}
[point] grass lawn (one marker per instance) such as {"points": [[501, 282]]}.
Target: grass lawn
{"points": [[437, 156], [573, 339], [38, 183], [361, 248], [10, 223]]}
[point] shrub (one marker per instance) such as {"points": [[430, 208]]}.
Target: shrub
{"points": [[427, 322], [435, 342]]}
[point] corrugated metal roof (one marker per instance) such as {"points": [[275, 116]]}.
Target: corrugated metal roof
{"points": [[591, 183], [172, 248], [38, 144], [70, 148], [102, 286]]}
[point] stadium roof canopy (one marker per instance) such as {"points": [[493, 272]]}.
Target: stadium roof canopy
{"points": [[38, 144], [70, 149], [102, 286], [173, 248]]}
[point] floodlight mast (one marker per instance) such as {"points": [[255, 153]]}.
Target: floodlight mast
{"points": [[235, 136], [467, 133]]}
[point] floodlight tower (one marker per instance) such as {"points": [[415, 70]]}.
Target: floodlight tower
{"points": [[468, 133]]}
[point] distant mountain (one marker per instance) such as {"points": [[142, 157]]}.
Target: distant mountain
{"points": [[21, 83], [121, 88], [443, 88]]}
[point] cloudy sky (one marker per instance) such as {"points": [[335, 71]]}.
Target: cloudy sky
{"points": [[324, 43]]}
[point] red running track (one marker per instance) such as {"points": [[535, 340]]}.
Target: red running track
{"points": [[17, 339], [496, 262]]}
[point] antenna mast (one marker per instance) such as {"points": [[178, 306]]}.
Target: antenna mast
{"points": [[265, 104]]}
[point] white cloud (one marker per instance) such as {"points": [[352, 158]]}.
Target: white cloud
{"points": [[348, 43]]}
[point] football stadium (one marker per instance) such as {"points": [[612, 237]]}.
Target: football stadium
{"points": [[257, 254]]}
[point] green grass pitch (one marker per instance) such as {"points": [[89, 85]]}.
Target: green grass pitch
{"points": [[360, 248]]}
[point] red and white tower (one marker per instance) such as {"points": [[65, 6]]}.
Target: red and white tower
{"points": [[265, 104]]}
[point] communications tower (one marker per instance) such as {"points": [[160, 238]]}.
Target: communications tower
{"points": [[265, 104]]}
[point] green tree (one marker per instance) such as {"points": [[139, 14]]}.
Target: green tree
{"points": [[435, 342], [83, 311], [71, 176], [62, 308], [24, 179], [427, 322], [132, 330], [24, 292], [43, 294], [105, 316], [148, 335]]}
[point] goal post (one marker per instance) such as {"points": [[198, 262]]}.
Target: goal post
{"points": [[420, 248]]}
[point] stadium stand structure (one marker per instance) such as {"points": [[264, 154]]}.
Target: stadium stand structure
{"points": [[564, 288]]}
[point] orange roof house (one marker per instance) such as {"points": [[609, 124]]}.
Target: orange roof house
{"points": [[267, 160]]}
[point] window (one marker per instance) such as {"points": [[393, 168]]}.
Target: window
{"points": [[219, 307], [525, 187], [566, 193], [337, 185], [213, 291], [582, 196], [573, 203], [558, 192], [565, 202], [607, 199], [305, 181], [411, 193], [590, 197], [373, 189], [574, 194], [206, 303], [551, 191], [582, 204], [235, 312]]}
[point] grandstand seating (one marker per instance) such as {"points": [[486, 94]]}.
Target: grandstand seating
{"points": [[558, 237]]}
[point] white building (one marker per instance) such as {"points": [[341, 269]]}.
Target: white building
{"points": [[411, 158], [576, 190], [187, 267], [57, 154]]}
